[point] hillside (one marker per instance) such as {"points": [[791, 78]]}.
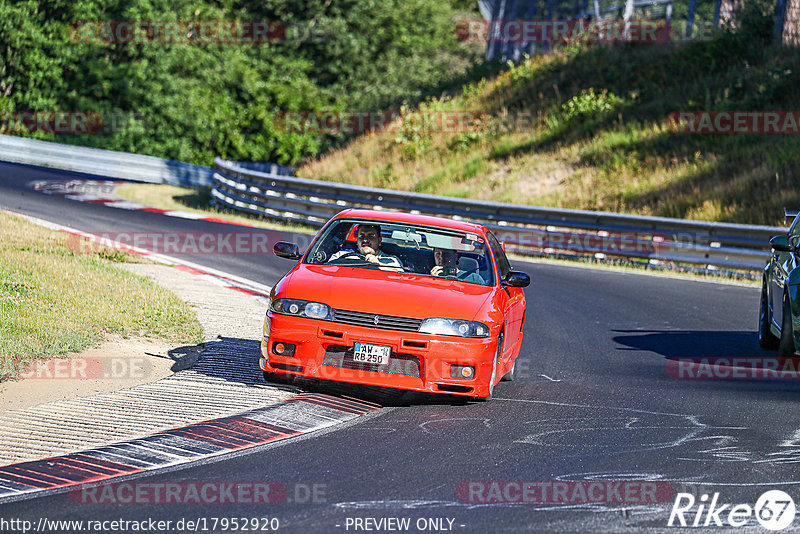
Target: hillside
{"points": [[589, 127]]}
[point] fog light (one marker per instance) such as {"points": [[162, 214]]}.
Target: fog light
{"points": [[462, 371], [283, 349]]}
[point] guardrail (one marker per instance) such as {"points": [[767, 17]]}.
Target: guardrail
{"points": [[104, 163], [528, 230]]}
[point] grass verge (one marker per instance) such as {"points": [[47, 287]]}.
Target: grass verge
{"points": [[55, 299]]}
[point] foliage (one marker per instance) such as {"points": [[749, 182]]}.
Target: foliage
{"points": [[588, 106], [193, 102]]}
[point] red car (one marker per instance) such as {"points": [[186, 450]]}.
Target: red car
{"points": [[397, 300]]}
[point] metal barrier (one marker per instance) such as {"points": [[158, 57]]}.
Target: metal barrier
{"points": [[528, 230], [105, 163]]}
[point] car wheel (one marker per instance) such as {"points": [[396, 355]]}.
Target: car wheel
{"points": [[766, 338], [279, 378], [509, 376], [497, 354], [786, 347]]}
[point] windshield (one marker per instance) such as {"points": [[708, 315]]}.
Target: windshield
{"points": [[422, 250]]}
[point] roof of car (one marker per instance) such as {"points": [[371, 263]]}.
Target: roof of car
{"points": [[401, 217]]}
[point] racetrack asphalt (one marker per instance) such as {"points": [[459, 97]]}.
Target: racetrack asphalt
{"points": [[595, 398]]}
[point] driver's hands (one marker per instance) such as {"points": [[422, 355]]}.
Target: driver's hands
{"points": [[370, 255], [437, 270]]}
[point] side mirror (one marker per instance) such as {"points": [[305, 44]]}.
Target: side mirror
{"points": [[517, 279], [287, 250], [781, 243]]}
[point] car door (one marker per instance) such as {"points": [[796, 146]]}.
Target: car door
{"points": [[515, 309]]}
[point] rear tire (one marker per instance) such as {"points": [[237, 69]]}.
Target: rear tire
{"points": [[766, 338], [786, 347], [279, 378]]}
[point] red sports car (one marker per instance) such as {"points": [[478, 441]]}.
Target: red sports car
{"points": [[397, 300]]}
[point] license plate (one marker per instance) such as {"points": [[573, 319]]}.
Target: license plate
{"points": [[374, 354]]}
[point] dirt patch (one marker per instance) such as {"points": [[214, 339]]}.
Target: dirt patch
{"points": [[543, 177]]}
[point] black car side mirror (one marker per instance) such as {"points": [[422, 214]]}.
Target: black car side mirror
{"points": [[517, 279], [287, 250], [781, 243]]}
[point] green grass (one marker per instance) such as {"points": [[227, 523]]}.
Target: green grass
{"points": [[598, 134], [58, 297]]}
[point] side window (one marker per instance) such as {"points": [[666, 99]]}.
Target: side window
{"points": [[500, 256], [794, 229]]}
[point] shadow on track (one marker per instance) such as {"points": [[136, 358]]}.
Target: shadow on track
{"points": [[674, 344], [236, 360], [713, 355]]}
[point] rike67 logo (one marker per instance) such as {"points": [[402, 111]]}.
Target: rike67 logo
{"points": [[774, 510]]}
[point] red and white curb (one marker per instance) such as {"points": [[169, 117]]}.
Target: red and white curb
{"points": [[301, 414], [102, 192]]}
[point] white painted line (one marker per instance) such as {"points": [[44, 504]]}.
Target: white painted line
{"points": [[125, 205], [185, 215], [551, 379]]}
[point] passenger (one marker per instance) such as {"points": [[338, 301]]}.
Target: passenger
{"points": [[447, 265], [369, 240]]}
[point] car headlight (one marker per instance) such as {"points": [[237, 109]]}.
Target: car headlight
{"points": [[301, 308], [453, 327]]}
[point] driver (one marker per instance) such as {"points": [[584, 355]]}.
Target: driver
{"points": [[369, 242], [447, 265]]}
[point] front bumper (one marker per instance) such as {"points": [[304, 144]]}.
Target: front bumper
{"points": [[418, 362]]}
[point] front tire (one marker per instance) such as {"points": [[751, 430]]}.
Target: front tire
{"points": [[766, 338], [497, 355], [786, 347], [509, 376]]}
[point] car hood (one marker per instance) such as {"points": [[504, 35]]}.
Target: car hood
{"points": [[386, 293]]}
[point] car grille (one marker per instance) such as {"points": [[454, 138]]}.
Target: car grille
{"points": [[388, 322], [399, 363]]}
